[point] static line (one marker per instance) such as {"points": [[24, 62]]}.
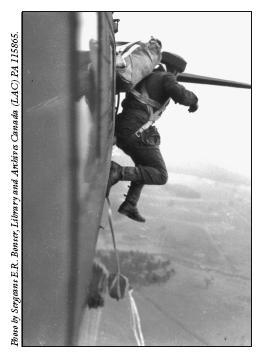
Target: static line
{"points": [[136, 324]]}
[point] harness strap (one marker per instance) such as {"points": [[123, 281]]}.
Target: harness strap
{"points": [[145, 99], [129, 49], [144, 127], [150, 103]]}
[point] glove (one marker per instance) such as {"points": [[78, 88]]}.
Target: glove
{"points": [[193, 108]]}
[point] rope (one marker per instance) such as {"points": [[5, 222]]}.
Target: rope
{"points": [[136, 324]]}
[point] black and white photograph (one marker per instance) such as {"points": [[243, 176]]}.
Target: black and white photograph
{"points": [[131, 162]]}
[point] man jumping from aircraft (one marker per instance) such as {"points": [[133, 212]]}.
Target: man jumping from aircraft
{"points": [[138, 138]]}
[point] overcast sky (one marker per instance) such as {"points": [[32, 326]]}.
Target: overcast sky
{"points": [[216, 44]]}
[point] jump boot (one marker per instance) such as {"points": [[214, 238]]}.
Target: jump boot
{"points": [[129, 206], [117, 173]]}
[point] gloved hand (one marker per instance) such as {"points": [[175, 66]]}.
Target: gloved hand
{"points": [[193, 108]]}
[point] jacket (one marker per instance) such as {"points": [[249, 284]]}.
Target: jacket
{"points": [[160, 86]]}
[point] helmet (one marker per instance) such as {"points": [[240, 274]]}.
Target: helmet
{"points": [[173, 62]]}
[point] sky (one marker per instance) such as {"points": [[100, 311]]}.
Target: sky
{"points": [[216, 44]]}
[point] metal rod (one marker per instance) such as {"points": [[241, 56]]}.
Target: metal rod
{"points": [[199, 79]]}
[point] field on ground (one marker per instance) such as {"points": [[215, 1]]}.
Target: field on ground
{"points": [[201, 230]]}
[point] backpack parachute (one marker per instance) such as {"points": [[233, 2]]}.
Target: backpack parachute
{"points": [[135, 62]]}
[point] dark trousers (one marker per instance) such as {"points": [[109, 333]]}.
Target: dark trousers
{"points": [[145, 153]]}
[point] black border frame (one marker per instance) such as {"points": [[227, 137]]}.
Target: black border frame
{"points": [[22, 119]]}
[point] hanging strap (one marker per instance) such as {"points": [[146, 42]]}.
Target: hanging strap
{"points": [[114, 245], [113, 236], [136, 324]]}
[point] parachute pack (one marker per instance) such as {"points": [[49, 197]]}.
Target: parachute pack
{"points": [[135, 62]]}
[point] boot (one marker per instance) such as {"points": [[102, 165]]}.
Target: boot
{"points": [[118, 173], [115, 175], [129, 206]]}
